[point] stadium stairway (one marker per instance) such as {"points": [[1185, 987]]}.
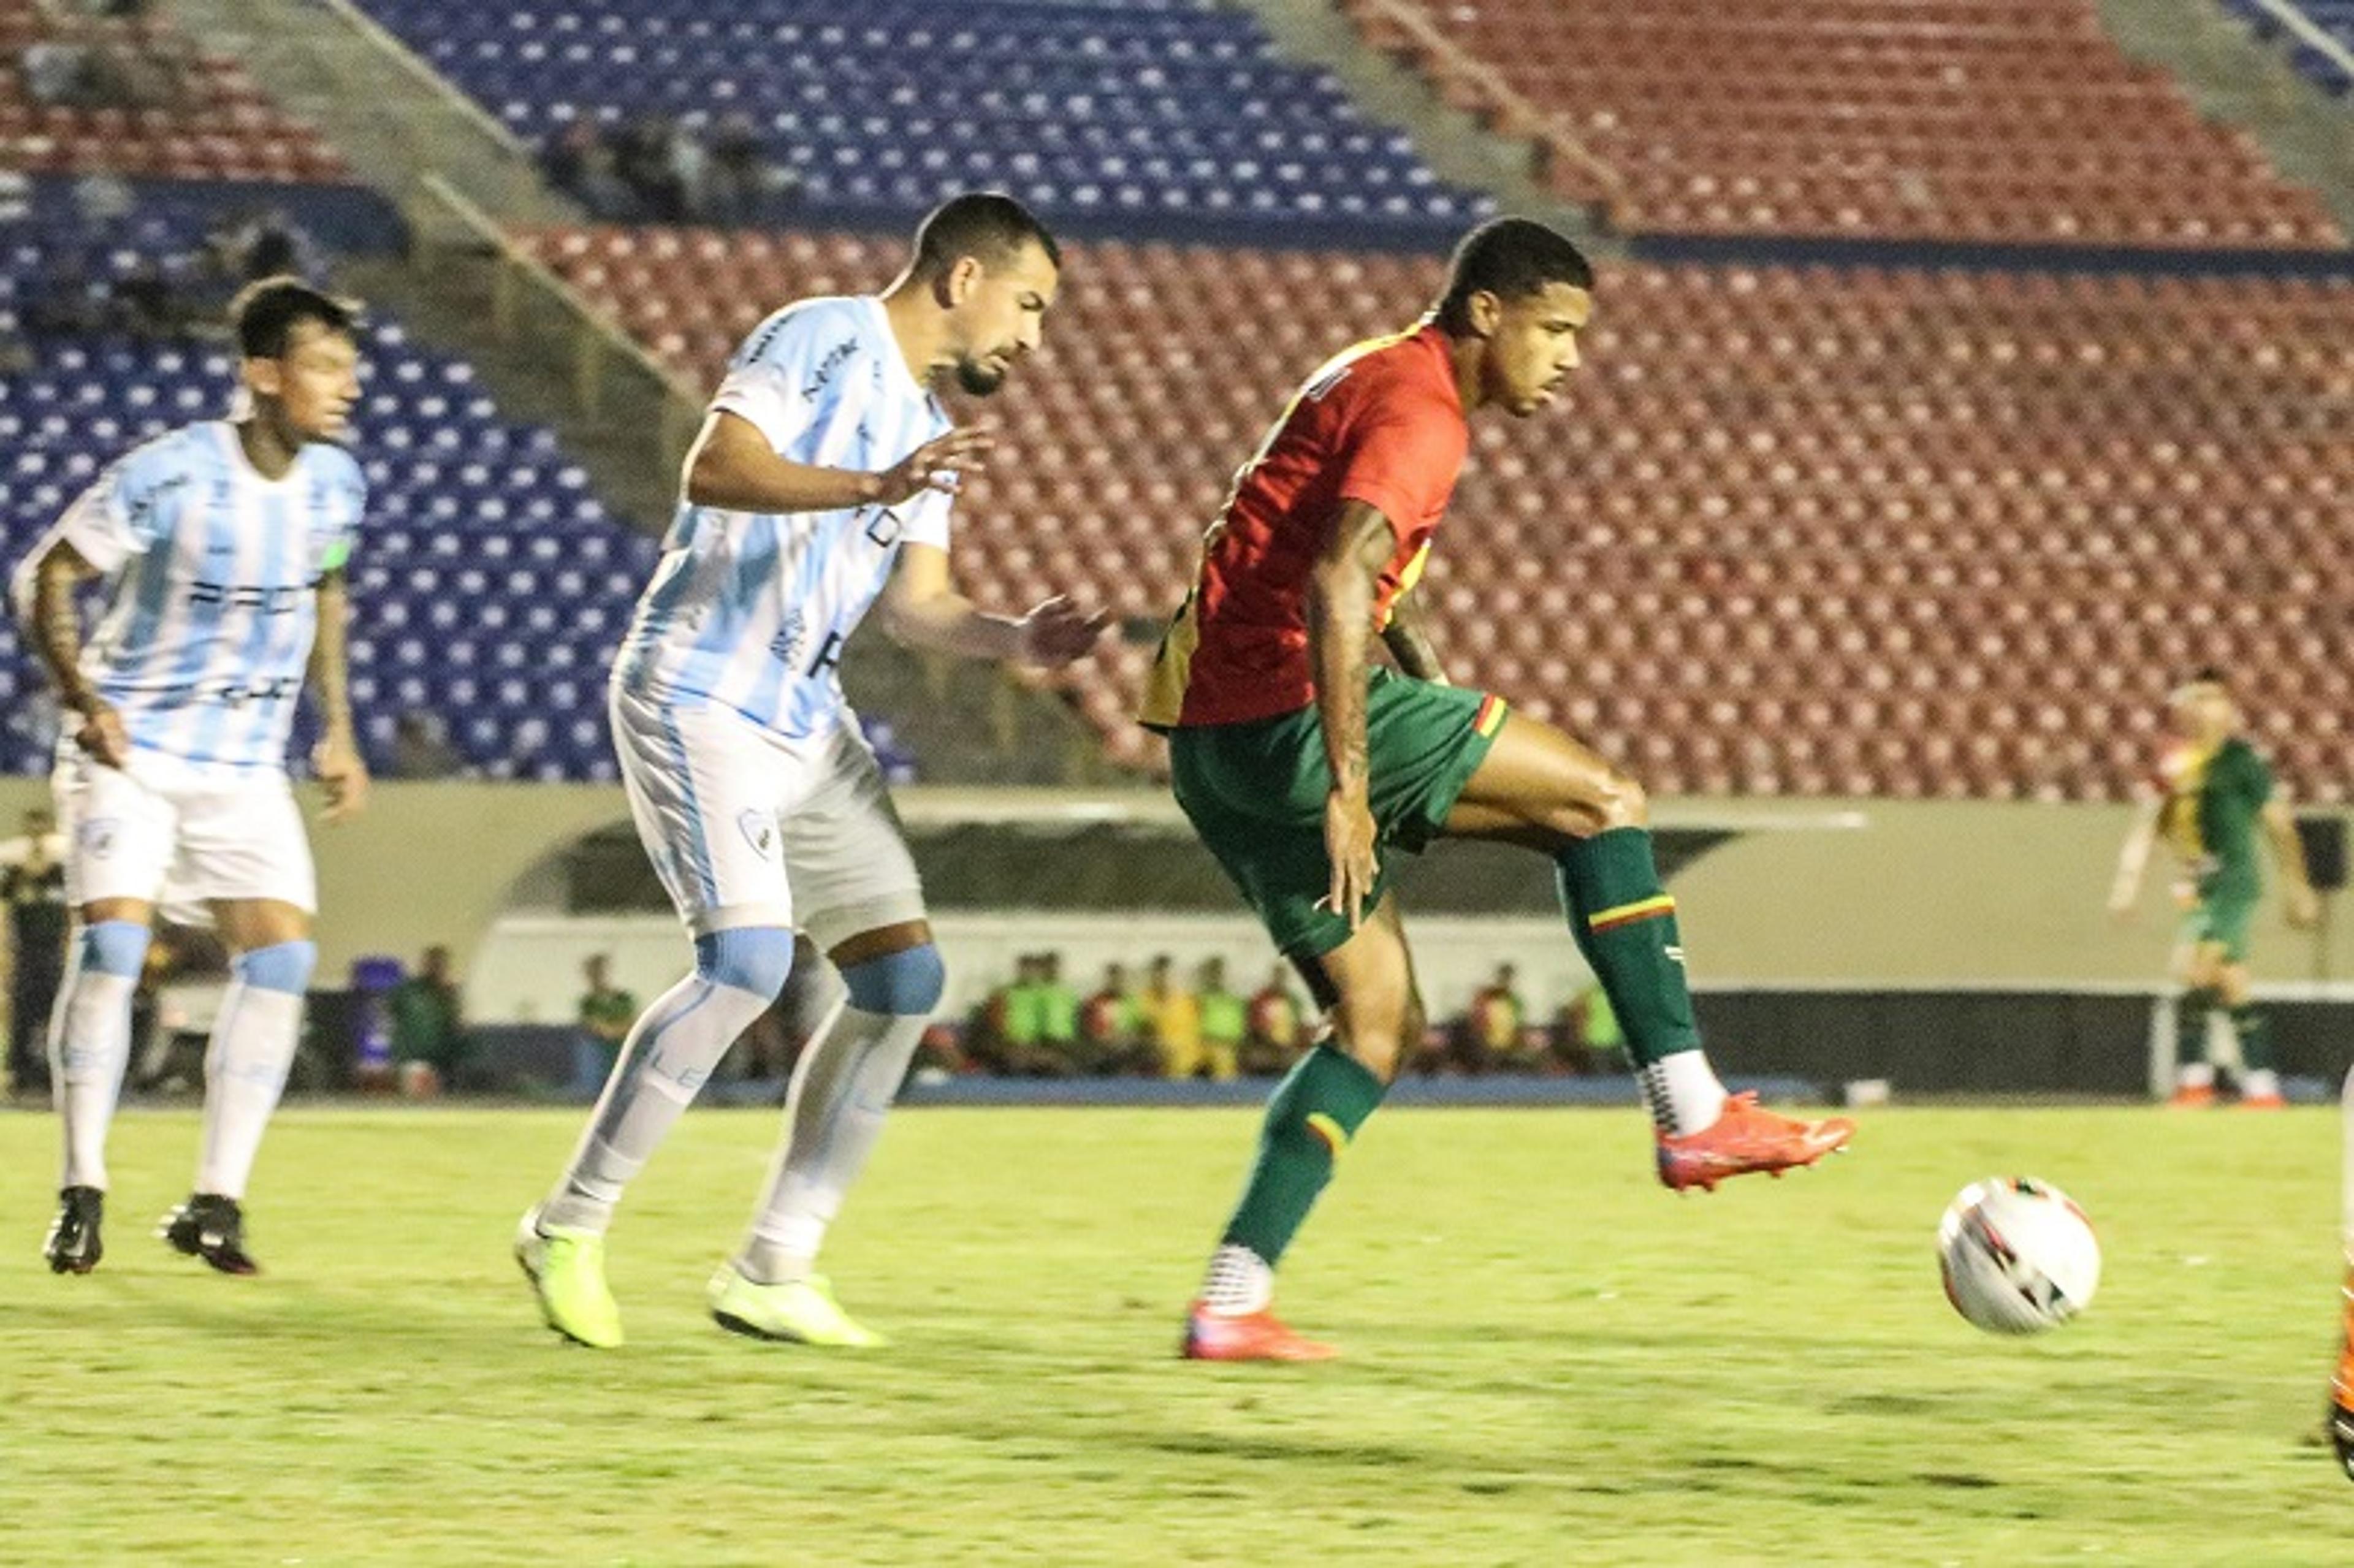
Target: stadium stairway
{"points": [[2239, 78]]}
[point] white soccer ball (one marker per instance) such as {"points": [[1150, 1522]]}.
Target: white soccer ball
{"points": [[2018, 1254]]}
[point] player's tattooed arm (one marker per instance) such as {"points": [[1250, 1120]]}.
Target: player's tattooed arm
{"points": [[56, 630], [1357, 544], [340, 767], [732, 466], [1407, 637]]}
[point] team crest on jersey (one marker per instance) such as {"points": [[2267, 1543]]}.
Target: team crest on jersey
{"points": [[98, 836], [759, 831]]}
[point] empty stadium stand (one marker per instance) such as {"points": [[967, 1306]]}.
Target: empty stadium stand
{"points": [[2007, 121], [1171, 114]]}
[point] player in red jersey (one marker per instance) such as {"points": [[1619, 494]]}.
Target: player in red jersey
{"points": [[1303, 767]]}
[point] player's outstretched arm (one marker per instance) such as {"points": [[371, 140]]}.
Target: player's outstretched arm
{"points": [[2289, 855], [732, 466], [1407, 637], [921, 608], [340, 767], [1357, 546], [46, 605], [2132, 859]]}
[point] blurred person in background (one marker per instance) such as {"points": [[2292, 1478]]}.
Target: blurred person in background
{"points": [[1224, 1021], [39, 916], [1172, 1020], [1271, 1039], [2211, 798], [428, 1025], [605, 1014]]}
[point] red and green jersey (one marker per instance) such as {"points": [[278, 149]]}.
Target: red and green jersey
{"points": [[1380, 423]]}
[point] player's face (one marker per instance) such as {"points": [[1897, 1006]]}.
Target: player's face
{"points": [[2204, 711], [1001, 314], [1532, 345], [314, 383]]}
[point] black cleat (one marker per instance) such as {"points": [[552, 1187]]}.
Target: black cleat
{"points": [[72, 1245], [213, 1228]]}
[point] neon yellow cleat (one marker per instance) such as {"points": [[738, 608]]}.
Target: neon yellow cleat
{"points": [[567, 1270], [804, 1312]]}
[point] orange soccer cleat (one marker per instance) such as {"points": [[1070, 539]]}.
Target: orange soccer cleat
{"points": [[2193, 1096], [2263, 1102], [1747, 1138], [1246, 1337]]}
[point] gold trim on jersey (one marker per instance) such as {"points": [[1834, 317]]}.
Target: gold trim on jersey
{"points": [[1163, 704]]}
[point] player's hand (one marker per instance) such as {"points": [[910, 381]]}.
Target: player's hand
{"points": [[102, 736], [2304, 908], [1058, 632], [345, 777], [1349, 845], [2122, 906], [939, 464]]}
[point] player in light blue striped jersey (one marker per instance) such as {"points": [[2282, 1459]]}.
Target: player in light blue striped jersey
{"points": [[222, 548], [819, 486]]}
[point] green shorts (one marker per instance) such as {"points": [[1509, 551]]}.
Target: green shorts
{"points": [[2221, 917], [1255, 793]]}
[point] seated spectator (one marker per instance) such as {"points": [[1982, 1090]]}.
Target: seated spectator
{"points": [[1058, 1008], [429, 1030], [1587, 1037], [606, 1013], [1223, 1023], [740, 184], [1008, 1032], [1172, 1020], [1111, 1028], [1490, 1036], [1271, 1033], [421, 749]]}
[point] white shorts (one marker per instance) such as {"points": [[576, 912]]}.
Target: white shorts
{"points": [[179, 835], [747, 828]]}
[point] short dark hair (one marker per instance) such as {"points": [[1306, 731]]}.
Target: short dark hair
{"points": [[1511, 258], [2208, 675], [264, 313], [989, 226]]}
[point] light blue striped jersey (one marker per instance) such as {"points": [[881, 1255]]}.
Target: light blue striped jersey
{"points": [[210, 599], [751, 608]]}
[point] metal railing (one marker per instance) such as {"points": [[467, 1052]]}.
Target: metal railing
{"points": [[2309, 33], [526, 296]]}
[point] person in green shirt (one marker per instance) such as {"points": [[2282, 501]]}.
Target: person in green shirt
{"points": [[1225, 1020], [427, 1023], [1058, 1006], [2210, 799], [606, 1013]]}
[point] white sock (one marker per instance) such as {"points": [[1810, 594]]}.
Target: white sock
{"points": [[841, 1093], [2195, 1076], [669, 1053], [1681, 1092], [2260, 1084], [90, 1045], [1239, 1282], [253, 1044]]}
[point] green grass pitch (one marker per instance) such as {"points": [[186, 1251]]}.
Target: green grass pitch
{"points": [[1550, 1361]]}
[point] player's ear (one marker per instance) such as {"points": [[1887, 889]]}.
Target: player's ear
{"points": [[1483, 312], [957, 283], [264, 377]]}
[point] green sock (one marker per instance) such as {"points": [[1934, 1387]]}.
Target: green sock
{"points": [[2255, 1027], [1625, 924], [2190, 1011], [1310, 1118]]}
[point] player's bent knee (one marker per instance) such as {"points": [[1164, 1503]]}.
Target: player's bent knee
{"points": [[908, 983], [281, 967], [755, 958], [1624, 804], [117, 948]]}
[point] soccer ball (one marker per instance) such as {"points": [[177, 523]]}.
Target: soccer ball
{"points": [[2018, 1254]]}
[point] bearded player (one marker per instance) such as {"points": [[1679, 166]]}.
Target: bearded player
{"points": [[1304, 769]]}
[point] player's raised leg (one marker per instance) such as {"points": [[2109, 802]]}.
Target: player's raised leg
{"points": [[841, 1093], [254, 1038], [1539, 788]]}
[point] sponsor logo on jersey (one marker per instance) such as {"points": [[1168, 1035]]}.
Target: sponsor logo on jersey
{"points": [[760, 829]]}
